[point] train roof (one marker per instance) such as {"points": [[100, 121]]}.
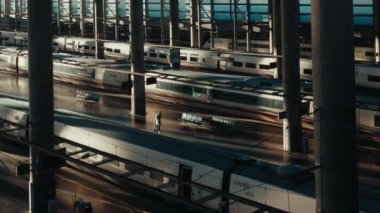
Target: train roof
{"points": [[197, 153]]}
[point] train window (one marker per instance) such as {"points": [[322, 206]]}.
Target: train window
{"points": [[116, 50], [305, 49], [153, 54], [93, 48], [369, 54], [86, 47], [260, 45], [184, 89], [55, 44], [183, 58], [162, 55], [152, 51], [307, 71], [250, 65], [265, 84], [264, 66], [145, 53], [203, 60], [193, 59], [108, 50], [237, 64], [374, 78], [377, 120], [5, 39]]}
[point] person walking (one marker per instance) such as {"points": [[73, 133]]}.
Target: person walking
{"points": [[157, 122]]}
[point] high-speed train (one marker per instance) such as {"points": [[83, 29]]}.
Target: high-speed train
{"points": [[247, 96], [262, 46], [85, 71], [367, 75]]}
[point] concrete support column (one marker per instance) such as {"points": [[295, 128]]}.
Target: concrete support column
{"points": [[16, 2], [270, 25], [334, 105], [199, 19], [59, 17], [117, 20], [69, 15], [235, 23], [82, 17], [137, 57], [7, 9], [174, 23], [41, 105], [248, 19], [212, 40], [376, 18], [145, 16], [99, 27], [193, 19], [291, 75], [277, 50], [162, 24]]}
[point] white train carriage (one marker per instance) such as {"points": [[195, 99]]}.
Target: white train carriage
{"points": [[75, 45], [367, 75], [306, 68], [161, 54], [226, 44], [117, 49], [195, 58], [248, 64], [9, 38]]}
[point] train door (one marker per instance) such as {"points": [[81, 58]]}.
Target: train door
{"points": [[184, 190]]}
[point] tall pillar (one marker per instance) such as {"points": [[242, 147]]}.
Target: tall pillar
{"points": [[117, 20], [174, 23], [58, 17], [145, 16], [70, 15], [270, 25], [7, 10], [277, 50], [235, 23], [82, 17], [212, 40], [376, 23], [199, 19], [291, 75], [41, 105], [99, 27], [248, 19], [334, 105], [162, 24], [137, 57], [16, 15], [193, 19]]}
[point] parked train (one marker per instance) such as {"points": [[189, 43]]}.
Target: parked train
{"points": [[367, 75], [247, 184], [362, 53], [85, 71]]}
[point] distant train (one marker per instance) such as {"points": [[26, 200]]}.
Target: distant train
{"points": [[204, 176], [100, 73], [367, 75], [262, 46]]}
